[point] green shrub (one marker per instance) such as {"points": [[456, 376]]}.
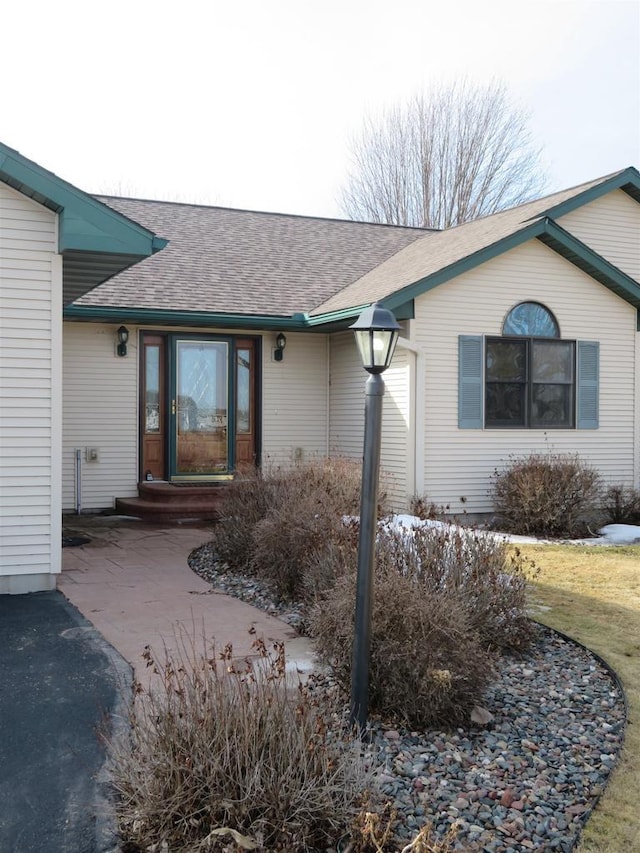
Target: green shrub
{"points": [[621, 505], [217, 755], [550, 494], [279, 525]]}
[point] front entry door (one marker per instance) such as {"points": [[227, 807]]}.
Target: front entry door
{"points": [[199, 396], [201, 409]]}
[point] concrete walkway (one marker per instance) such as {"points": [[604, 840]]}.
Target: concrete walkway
{"points": [[64, 680], [133, 582]]}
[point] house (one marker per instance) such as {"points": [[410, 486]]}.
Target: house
{"points": [[145, 340]]}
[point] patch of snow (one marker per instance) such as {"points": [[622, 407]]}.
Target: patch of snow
{"points": [[621, 534], [612, 534]]}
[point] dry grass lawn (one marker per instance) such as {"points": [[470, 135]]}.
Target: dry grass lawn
{"points": [[593, 594]]}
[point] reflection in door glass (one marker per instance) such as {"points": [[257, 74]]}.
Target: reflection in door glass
{"points": [[202, 407], [152, 389], [243, 414]]}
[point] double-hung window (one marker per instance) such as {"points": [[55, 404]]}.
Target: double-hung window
{"points": [[528, 378]]}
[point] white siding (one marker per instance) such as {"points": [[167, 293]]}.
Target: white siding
{"points": [[30, 340], [101, 399], [100, 410], [295, 399], [346, 398], [610, 226], [346, 414], [459, 462]]}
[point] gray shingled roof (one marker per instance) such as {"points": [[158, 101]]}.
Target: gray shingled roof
{"points": [[424, 258], [242, 262]]}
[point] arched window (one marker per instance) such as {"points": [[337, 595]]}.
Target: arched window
{"points": [[529, 372], [531, 319]]}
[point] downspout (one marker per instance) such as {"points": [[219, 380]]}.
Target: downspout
{"points": [[78, 481], [417, 414]]}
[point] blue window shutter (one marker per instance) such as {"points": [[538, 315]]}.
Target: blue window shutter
{"points": [[470, 382], [587, 385]]}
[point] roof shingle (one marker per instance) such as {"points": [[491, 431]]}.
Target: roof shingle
{"points": [[242, 262], [421, 259], [225, 261]]}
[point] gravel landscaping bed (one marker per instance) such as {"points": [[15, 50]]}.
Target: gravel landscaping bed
{"points": [[527, 781]]}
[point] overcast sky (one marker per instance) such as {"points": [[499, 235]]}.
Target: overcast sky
{"points": [[251, 103]]}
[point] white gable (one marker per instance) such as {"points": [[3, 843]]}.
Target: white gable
{"points": [[610, 226]]}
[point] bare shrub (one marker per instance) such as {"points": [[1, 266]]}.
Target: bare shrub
{"points": [[338, 556], [306, 516], [279, 525], [550, 494], [246, 501], [621, 505], [423, 508], [427, 664], [373, 833], [219, 755], [487, 575]]}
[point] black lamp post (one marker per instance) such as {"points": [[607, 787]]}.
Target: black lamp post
{"points": [[376, 331]]}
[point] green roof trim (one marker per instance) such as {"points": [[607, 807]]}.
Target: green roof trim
{"points": [[184, 318], [487, 253], [403, 311], [628, 180], [87, 229], [549, 233], [86, 225], [335, 321], [590, 262]]}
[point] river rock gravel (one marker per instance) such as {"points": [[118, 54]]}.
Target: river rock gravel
{"points": [[526, 781]]}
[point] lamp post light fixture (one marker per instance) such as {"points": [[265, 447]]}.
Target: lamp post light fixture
{"points": [[123, 336], [376, 332]]}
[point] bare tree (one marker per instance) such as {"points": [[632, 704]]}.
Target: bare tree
{"points": [[460, 152]]}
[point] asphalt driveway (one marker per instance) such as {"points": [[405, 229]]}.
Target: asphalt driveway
{"points": [[60, 684]]}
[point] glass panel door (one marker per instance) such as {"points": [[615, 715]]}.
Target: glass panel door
{"points": [[200, 408]]}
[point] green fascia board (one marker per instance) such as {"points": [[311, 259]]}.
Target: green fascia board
{"points": [[140, 316], [549, 233], [85, 224], [627, 180], [335, 316], [579, 254], [487, 253], [286, 323], [339, 319]]}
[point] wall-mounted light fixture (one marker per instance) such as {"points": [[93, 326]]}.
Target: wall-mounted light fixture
{"points": [[123, 337], [281, 343]]}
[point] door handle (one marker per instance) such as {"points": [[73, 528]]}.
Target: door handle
{"points": [[173, 407]]}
